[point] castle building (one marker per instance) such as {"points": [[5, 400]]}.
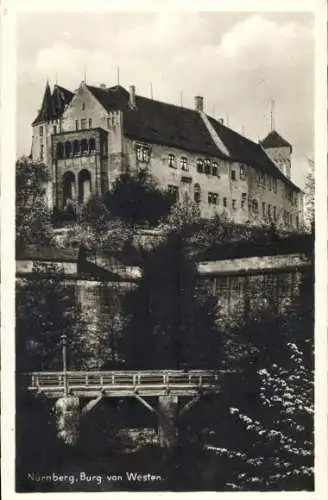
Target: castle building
{"points": [[89, 137]]}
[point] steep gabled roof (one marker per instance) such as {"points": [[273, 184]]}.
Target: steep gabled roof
{"points": [[274, 140], [53, 104], [46, 112], [60, 98], [113, 98]]}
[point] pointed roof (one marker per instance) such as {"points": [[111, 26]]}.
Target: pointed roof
{"points": [[60, 98], [274, 140], [53, 104], [46, 112]]}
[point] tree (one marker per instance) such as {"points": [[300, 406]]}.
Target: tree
{"points": [[171, 319], [268, 437], [137, 200], [46, 309], [33, 218]]}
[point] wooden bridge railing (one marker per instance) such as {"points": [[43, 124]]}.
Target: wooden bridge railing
{"points": [[43, 381]]}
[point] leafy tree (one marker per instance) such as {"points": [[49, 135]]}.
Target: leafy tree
{"points": [[33, 218], [46, 309], [137, 200], [268, 437]]}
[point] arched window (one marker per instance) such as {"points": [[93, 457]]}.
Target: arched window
{"points": [[68, 148], [84, 147], [92, 145], [69, 192], [76, 147], [184, 163], [172, 161], [59, 150], [200, 166], [197, 193], [84, 186], [255, 206]]}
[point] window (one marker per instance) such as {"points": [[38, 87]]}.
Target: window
{"points": [[76, 124], [234, 204], [270, 183], [174, 192], [184, 163], [263, 208], [59, 150], [225, 203], [92, 145], [197, 193], [200, 166], [212, 198], [41, 152], [68, 149], [215, 168], [297, 222], [255, 207], [76, 147], [172, 161], [90, 122], [261, 179], [243, 199], [274, 184], [274, 213], [233, 175], [207, 167], [55, 129], [269, 211], [242, 173], [142, 152], [83, 106], [41, 131], [83, 124], [84, 146]]}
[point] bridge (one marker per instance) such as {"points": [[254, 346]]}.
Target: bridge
{"points": [[166, 385]]}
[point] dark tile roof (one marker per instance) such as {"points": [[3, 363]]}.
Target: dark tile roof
{"points": [[112, 99], [167, 124], [274, 140], [53, 105], [245, 150]]}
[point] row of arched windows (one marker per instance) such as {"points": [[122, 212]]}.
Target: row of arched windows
{"points": [[75, 148]]}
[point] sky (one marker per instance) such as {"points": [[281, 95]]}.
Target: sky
{"points": [[239, 62]]}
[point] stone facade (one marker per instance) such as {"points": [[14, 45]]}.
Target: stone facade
{"points": [[87, 148]]}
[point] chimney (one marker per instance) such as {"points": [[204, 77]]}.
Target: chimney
{"points": [[132, 96], [102, 86], [199, 103], [221, 120]]}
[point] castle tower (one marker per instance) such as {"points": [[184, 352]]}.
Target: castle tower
{"points": [[279, 150]]}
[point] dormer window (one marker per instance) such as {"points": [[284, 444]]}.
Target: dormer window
{"points": [[184, 163], [142, 152], [172, 161]]}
